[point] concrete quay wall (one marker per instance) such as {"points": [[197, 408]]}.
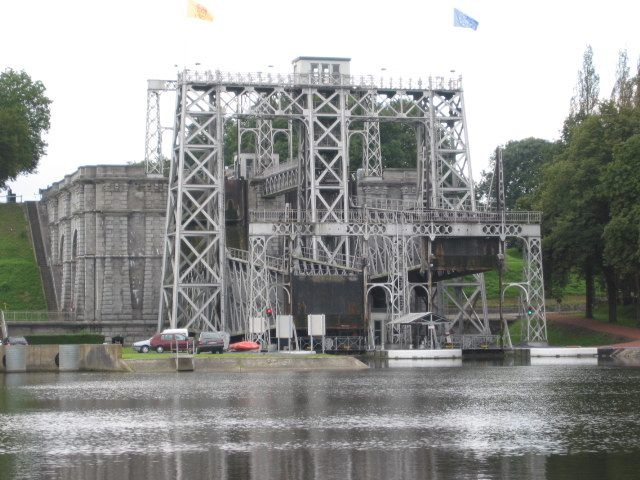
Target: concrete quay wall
{"points": [[278, 362], [45, 358]]}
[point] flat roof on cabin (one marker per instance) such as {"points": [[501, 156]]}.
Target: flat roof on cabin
{"points": [[323, 59]]}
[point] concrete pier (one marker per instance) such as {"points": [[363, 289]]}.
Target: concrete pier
{"points": [[422, 354]]}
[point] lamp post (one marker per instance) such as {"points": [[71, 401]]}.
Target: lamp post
{"points": [[382, 70]]}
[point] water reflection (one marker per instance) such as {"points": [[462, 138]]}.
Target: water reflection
{"points": [[564, 361], [423, 363], [470, 421]]}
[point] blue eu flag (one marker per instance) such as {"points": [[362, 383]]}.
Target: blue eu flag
{"points": [[462, 20]]}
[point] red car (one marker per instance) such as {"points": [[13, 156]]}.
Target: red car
{"points": [[167, 341]]}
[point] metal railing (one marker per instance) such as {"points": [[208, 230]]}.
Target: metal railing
{"points": [[339, 259], [276, 169], [276, 263], [312, 79], [391, 204], [11, 198], [39, 316], [340, 344], [237, 254], [472, 342], [189, 350], [373, 215], [335, 343]]}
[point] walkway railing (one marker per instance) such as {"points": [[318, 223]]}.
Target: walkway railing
{"points": [[373, 215], [11, 198], [311, 79], [321, 256], [276, 263], [473, 342]]}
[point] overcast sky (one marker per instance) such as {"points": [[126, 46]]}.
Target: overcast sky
{"points": [[519, 68]]}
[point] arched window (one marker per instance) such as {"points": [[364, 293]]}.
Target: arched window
{"points": [[61, 250], [74, 245], [74, 254]]}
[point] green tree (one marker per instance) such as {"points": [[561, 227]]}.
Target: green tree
{"points": [[398, 145], [522, 161], [622, 93], [24, 119], [575, 210], [622, 233], [586, 99], [578, 204], [635, 81]]}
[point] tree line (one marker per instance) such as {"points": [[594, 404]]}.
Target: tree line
{"points": [[24, 119], [587, 185]]}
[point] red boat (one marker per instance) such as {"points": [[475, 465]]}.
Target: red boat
{"points": [[245, 346]]}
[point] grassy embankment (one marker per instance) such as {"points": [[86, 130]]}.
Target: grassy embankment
{"points": [[20, 284], [566, 335], [558, 335], [573, 292]]}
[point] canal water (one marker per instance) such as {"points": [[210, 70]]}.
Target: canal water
{"points": [[471, 420]]}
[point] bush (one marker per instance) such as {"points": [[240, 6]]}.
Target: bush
{"points": [[65, 339]]}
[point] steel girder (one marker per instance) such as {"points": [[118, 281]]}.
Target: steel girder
{"points": [[323, 114], [464, 295], [153, 155], [237, 277], [258, 290], [153, 136], [399, 283], [451, 176], [194, 248], [372, 150], [264, 144], [536, 322], [326, 189], [239, 281], [281, 179]]}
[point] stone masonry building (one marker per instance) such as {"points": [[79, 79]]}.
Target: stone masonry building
{"points": [[103, 229]]}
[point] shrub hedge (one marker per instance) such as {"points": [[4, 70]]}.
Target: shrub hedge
{"points": [[65, 339]]}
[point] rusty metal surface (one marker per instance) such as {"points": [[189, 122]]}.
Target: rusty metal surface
{"points": [[339, 297], [466, 254]]}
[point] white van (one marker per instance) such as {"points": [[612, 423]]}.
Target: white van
{"points": [[182, 331]]}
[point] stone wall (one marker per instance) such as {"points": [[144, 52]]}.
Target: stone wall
{"points": [[396, 184], [104, 228]]}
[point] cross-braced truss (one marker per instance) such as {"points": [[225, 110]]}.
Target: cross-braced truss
{"points": [[329, 232], [154, 157], [194, 248], [536, 325]]}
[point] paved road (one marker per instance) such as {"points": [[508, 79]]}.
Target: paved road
{"points": [[631, 333]]}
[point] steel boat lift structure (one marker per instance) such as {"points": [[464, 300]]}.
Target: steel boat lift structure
{"points": [[306, 219]]}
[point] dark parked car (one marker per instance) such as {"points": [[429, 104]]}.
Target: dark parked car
{"points": [[167, 341], [15, 341], [213, 342]]}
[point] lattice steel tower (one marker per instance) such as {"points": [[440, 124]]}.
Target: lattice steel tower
{"points": [[327, 230]]}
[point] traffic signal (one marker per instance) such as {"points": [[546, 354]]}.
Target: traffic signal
{"points": [[530, 310], [269, 312]]}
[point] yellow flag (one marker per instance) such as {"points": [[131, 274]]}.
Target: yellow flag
{"points": [[198, 11]]}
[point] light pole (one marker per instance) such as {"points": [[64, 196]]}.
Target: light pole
{"points": [[382, 70]]}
